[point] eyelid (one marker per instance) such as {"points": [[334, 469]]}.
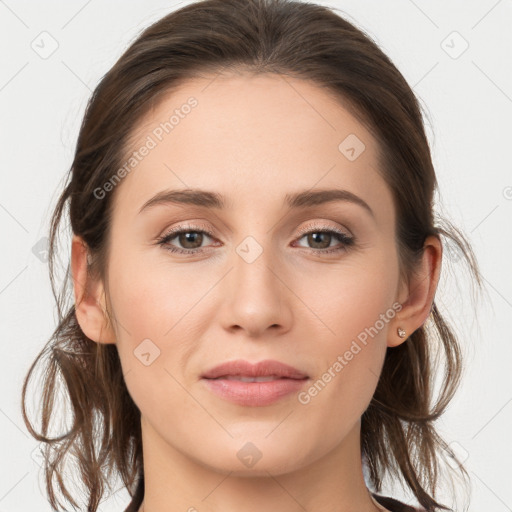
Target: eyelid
{"points": [[323, 227], [302, 231], [187, 226]]}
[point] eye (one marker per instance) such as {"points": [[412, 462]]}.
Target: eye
{"points": [[192, 237], [320, 237]]}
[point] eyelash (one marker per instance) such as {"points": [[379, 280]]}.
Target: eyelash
{"points": [[346, 240]]}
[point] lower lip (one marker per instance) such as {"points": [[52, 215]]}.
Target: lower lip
{"points": [[254, 394]]}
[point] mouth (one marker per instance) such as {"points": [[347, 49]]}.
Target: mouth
{"points": [[249, 385], [247, 378], [267, 370]]}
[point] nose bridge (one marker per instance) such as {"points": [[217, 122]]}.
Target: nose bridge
{"points": [[255, 293], [254, 271]]}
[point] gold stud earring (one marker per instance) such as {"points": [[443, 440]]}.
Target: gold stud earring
{"points": [[401, 332]]}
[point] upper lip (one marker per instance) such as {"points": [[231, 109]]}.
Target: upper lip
{"points": [[244, 368]]}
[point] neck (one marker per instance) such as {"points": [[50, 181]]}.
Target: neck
{"points": [[334, 482]]}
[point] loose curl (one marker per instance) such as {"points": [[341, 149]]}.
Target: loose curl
{"points": [[290, 38]]}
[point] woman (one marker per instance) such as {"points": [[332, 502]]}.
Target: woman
{"points": [[254, 262]]}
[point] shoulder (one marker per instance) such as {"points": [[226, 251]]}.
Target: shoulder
{"points": [[394, 505]]}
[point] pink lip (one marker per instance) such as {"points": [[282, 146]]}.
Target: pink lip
{"points": [[260, 369], [287, 380]]}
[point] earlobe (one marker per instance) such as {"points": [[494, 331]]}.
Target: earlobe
{"points": [[90, 306], [420, 294]]}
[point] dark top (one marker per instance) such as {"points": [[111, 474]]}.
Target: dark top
{"points": [[394, 505]]}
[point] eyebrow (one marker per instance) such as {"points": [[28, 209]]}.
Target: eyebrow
{"points": [[213, 200]]}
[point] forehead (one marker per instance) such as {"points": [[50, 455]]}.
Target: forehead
{"points": [[251, 138]]}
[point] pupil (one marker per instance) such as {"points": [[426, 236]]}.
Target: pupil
{"points": [[189, 237], [314, 236]]}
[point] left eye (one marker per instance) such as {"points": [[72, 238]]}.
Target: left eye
{"points": [[191, 240], [322, 238]]}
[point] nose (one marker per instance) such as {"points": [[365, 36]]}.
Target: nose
{"points": [[257, 294]]}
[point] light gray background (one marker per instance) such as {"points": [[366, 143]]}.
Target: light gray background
{"points": [[468, 98]]}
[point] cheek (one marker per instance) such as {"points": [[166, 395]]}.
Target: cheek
{"points": [[350, 361], [152, 299], [156, 310], [355, 307], [351, 297], [146, 307]]}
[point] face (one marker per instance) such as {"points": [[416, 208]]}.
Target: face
{"points": [[270, 275]]}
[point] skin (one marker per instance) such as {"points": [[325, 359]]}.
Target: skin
{"points": [[253, 140]]}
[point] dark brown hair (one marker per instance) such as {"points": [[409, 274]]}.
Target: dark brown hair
{"points": [[290, 38]]}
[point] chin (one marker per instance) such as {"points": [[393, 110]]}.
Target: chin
{"points": [[255, 458]]}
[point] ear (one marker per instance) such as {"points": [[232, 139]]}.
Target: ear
{"points": [[89, 294], [417, 296]]}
